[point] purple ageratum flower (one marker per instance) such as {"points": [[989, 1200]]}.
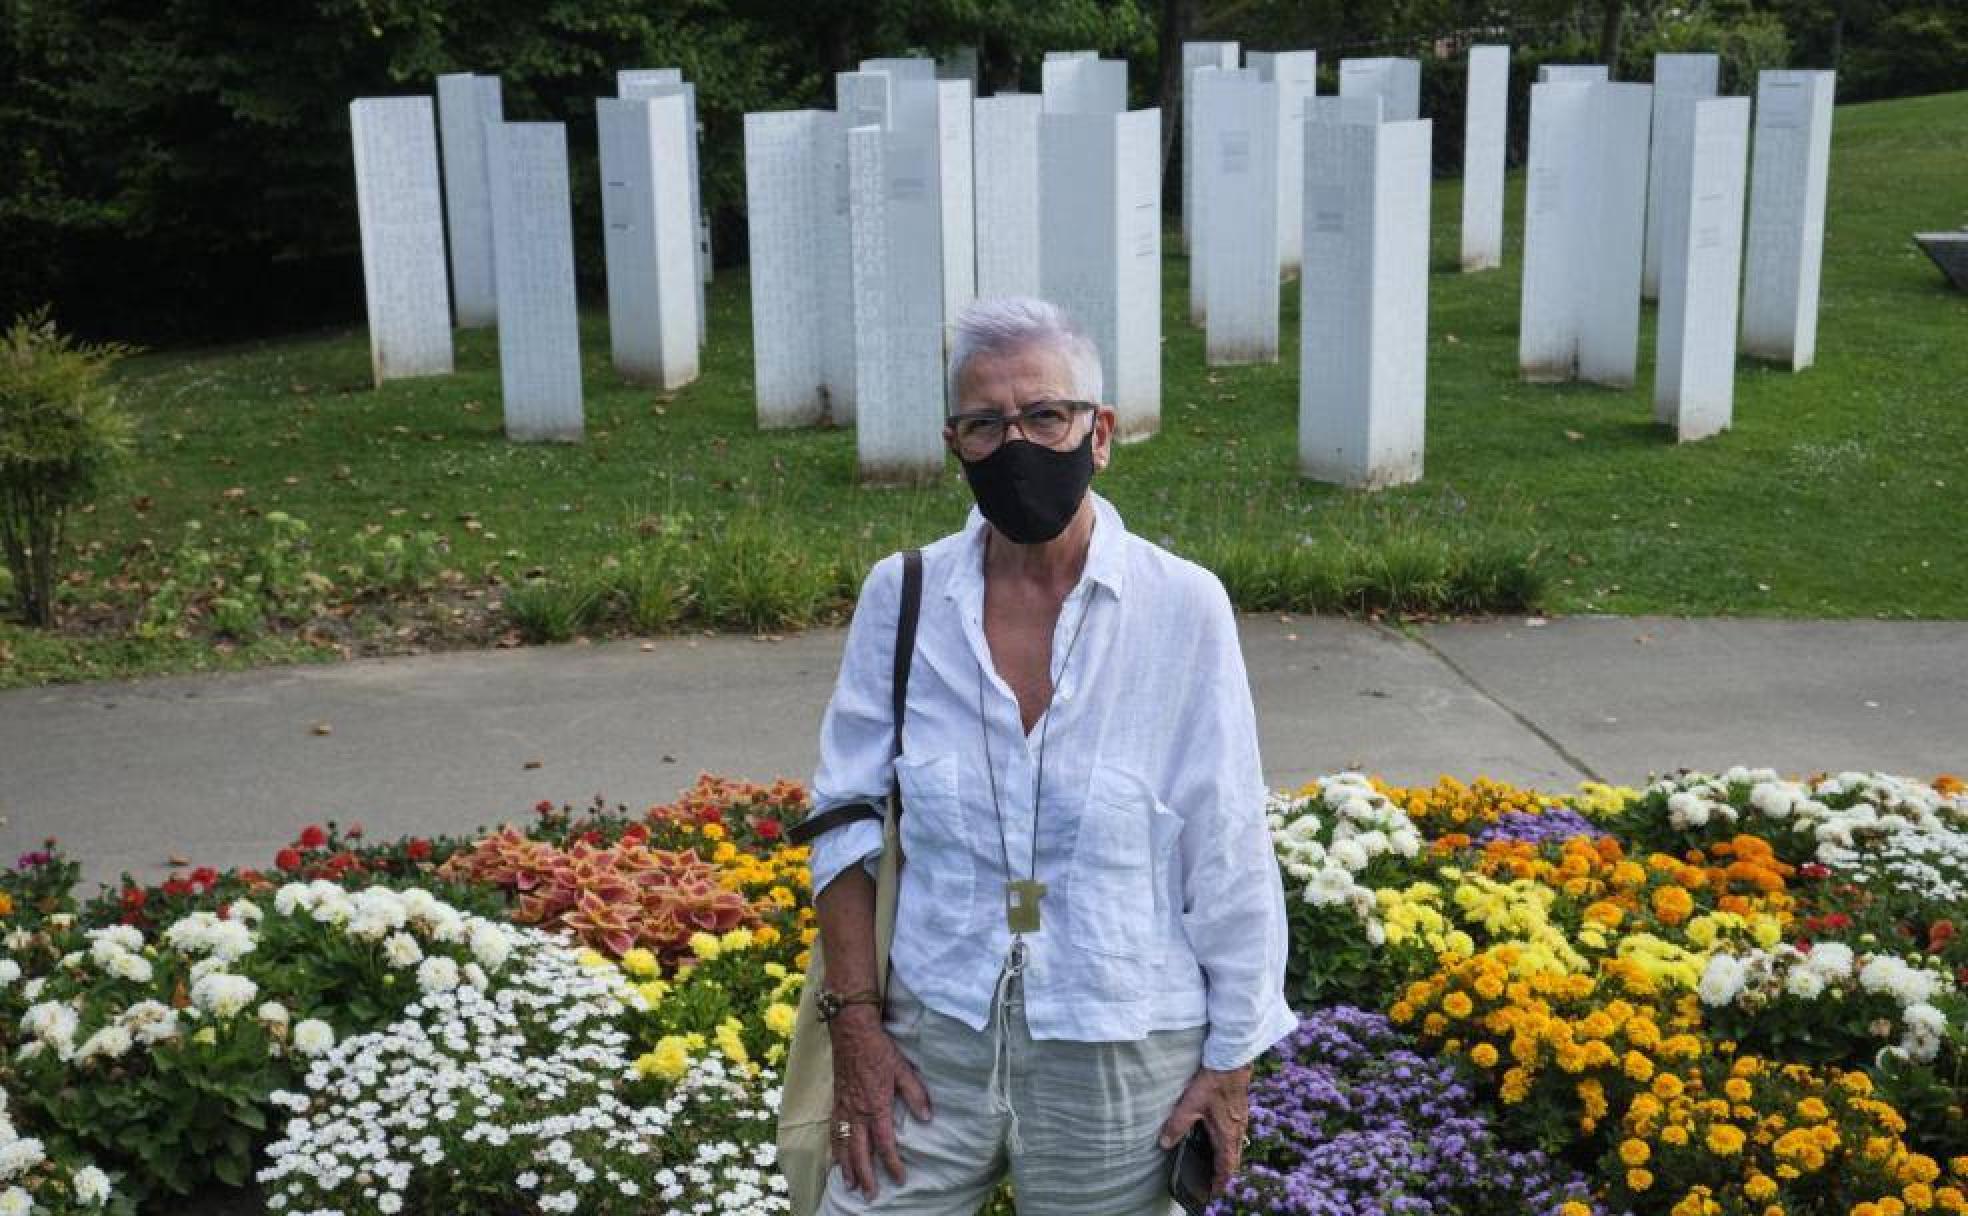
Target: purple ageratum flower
{"points": [[1554, 826], [1353, 1120], [27, 861]]}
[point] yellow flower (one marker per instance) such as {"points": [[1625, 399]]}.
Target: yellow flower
{"points": [[1483, 1055], [1738, 1089], [653, 991], [641, 962], [1674, 1134], [1667, 1087], [1724, 1140], [713, 831], [736, 939], [1760, 1187], [670, 1059], [1639, 1180], [704, 945], [1457, 1005], [1814, 1109], [1516, 1085], [1639, 1067], [731, 1042], [1635, 1152], [593, 960], [1573, 1207], [765, 935], [780, 1019]]}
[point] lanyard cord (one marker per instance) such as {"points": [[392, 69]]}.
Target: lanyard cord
{"points": [[1045, 730]]}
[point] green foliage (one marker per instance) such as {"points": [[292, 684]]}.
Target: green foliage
{"points": [[62, 439]]}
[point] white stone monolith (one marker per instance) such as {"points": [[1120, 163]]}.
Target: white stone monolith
{"points": [[1584, 231], [1679, 82], [1701, 251], [956, 172], [1296, 73], [1006, 135], [400, 209], [539, 328], [1363, 316], [1100, 208], [789, 203], [1084, 86], [1397, 82], [898, 303], [1784, 253], [1236, 126], [649, 239], [1196, 55], [466, 105], [666, 82], [914, 67], [1486, 119]]}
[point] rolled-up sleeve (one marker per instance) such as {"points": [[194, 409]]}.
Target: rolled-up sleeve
{"points": [[857, 731], [1233, 896]]}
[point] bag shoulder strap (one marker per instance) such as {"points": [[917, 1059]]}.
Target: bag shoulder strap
{"points": [[814, 826]]}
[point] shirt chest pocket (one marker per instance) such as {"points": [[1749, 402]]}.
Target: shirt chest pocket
{"points": [[1116, 882], [936, 844]]}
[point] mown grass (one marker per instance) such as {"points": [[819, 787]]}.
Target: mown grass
{"points": [[1837, 493]]}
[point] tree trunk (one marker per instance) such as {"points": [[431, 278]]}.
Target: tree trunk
{"points": [[1612, 19]]}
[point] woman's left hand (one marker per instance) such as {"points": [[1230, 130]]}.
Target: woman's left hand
{"points": [[1222, 1101]]}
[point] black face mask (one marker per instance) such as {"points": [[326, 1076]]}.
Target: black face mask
{"points": [[1028, 491]]}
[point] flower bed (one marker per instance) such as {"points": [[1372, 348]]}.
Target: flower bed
{"points": [[1721, 994]]}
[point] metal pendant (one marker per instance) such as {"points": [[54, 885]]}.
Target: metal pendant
{"points": [[1022, 905]]}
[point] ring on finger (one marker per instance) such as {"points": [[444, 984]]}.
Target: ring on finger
{"points": [[843, 1130]]}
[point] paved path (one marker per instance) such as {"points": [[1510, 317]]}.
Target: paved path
{"points": [[224, 768]]}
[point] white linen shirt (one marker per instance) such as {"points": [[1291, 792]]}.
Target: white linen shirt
{"points": [[1163, 906]]}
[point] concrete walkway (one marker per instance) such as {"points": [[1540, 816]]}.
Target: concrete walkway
{"points": [[223, 769]]}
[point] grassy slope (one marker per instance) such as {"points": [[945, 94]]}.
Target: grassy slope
{"points": [[1839, 489]]}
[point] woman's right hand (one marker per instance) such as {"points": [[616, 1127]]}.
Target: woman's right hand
{"points": [[869, 1073]]}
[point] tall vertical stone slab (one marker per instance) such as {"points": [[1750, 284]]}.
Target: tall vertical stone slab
{"points": [[833, 265], [1785, 251], [1572, 73], [1363, 316], [1679, 82], [533, 238], [1084, 86], [401, 213], [1199, 232], [783, 177], [649, 237], [1584, 232], [1100, 248], [1397, 82], [1701, 247], [1236, 126], [1486, 119], [898, 303], [1195, 56], [1051, 56], [466, 105], [1006, 131], [1296, 73], [667, 82], [956, 171]]}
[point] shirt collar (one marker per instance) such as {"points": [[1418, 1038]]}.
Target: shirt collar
{"points": [[1106, 562]]}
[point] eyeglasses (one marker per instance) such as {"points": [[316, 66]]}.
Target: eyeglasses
{"points": [[979, 432]]}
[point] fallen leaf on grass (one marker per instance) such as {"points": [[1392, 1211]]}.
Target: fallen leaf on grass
{"points": [[323, 728]]}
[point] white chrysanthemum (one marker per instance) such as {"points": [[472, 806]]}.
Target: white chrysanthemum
{"points": [[313, 1036], [273, 1013], [15, 1202], [489, 945], [19, 1156], [1805, 983], [10, 971], [151, 1022], [113, 1041], [1722, 979], [53, 1023], [402, 950], [222, 994], [437, 974], [1351, 854], [1832, 960], [132, 967], [91, 1186]]}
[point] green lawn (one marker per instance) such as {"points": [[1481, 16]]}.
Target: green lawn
{"points": [[1838, 493]]}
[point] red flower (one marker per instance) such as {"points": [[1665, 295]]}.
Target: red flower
{"points": [[134, 898], [767, 829], [287, 859], [175, 886], [1939, 934], [312, 837], [635, 834], [710, 814], [543, 807], [417, 850], [353, 831], [1812, 869]]}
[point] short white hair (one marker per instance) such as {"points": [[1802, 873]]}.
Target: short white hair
{"points": [[1013, 323]]}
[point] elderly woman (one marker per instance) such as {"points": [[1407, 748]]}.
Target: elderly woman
{"points": [[1089, 941]]}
